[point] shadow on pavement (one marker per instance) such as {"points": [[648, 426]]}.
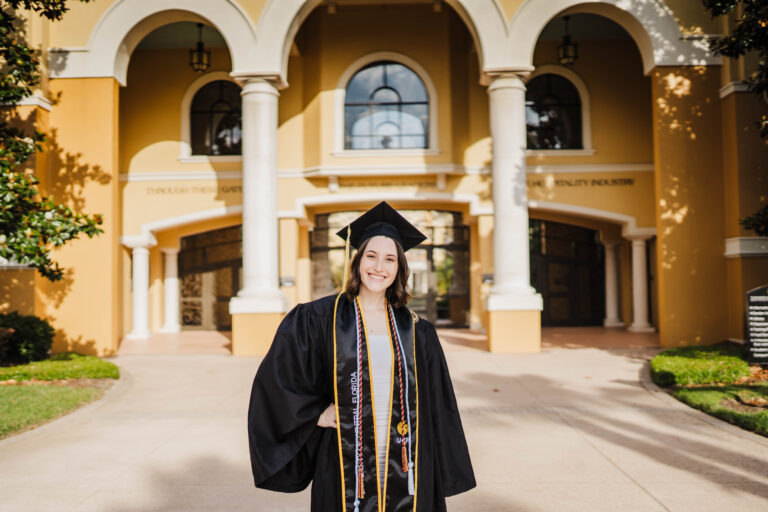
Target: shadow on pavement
{"points": [[636, 432]]}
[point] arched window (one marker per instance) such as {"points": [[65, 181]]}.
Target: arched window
{"points": [[386, 107], [215, 119], [553, 113]]}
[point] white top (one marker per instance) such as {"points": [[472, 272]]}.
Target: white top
{"points": [[380, 362]]}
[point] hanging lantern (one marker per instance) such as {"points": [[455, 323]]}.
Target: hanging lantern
{"points": [[568, 51], [200, 58]]}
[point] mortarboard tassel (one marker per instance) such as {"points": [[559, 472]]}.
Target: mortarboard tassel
{"points": [[346, 258], [405, 458]]}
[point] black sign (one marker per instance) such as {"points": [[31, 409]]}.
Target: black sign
{"points": [[756, 325]]}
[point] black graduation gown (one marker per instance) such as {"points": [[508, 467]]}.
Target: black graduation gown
{"points": [[296, 381]]}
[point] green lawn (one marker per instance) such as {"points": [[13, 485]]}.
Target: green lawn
{"points": [[62, 366], [28, 405], [705, 378], [711, 400], [22, 407], [722, 363]]}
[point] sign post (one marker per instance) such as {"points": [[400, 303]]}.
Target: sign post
{"points": [[756, 325]]}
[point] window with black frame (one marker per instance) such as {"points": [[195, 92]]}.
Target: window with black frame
{"points": [[552, 113], [386, 107], [216, 119]]}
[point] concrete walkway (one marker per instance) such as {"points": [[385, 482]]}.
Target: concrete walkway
{"points": [[564, 430]]}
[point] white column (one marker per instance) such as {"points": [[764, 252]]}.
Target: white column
{"points": [[171, 289], [612, 286], [512, 288], [140, 288], [260, 292], [639, 288]]}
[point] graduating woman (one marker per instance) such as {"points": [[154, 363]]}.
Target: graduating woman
{"points": [[354, 394]]}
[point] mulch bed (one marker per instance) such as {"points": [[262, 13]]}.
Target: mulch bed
{"points": [[758, 375], [736, 405]]}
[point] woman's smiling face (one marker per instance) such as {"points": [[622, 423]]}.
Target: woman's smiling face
{"points": [[378, 266]]}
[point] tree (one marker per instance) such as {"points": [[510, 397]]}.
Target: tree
{"points": [[31, 224], [750, 33]]}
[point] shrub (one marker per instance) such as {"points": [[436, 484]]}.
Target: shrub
{"points": [[26, 338]]}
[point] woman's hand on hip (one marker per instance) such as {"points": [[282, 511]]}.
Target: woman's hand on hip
{"points": [[328, 418]]}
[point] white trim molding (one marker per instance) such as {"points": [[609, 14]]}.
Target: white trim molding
{"points": [[353, 171], [377, 170], [339, 96], [146, 238], [602, 168], [379, 153], [586, 111], [35, 100], [650, 23], [134, 177], [126, 22], [629, 227], [560, 152], [746, 246], [12, 264], [733, 87], [476, 207], [202, 159], [185, 146]]}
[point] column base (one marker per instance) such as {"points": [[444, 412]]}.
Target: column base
{"points": [[641, 328], [138, 335], [613, 322], [270, 301], [511, 302], [252, 333], [170, 329], [514, 331]]}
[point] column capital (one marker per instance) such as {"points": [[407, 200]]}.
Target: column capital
{"points": [[170, 251], [637, 239], [265, 84], [138, 241], [507, 78]]}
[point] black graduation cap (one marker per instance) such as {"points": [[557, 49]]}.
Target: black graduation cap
{"points": [[384, 220]]}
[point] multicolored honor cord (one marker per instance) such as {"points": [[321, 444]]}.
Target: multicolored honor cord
{"points": [[359, 481]]}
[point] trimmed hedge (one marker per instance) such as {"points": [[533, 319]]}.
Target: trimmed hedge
{"points": [[722, 363], [25, 338]]}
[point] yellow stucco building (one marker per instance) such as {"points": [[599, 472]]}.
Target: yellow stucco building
{"points": [[604, 190]]}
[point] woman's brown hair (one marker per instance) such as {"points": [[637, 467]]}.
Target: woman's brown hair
{"points": [[397, 293]]}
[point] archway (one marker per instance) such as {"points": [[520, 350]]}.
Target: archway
{"points": [[281, 19], [651, 24], [126, 22]]}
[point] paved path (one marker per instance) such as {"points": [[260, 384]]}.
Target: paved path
{"points": [[558, 431]]}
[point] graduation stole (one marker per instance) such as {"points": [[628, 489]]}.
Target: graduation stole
{"points": [[357, 434]]}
